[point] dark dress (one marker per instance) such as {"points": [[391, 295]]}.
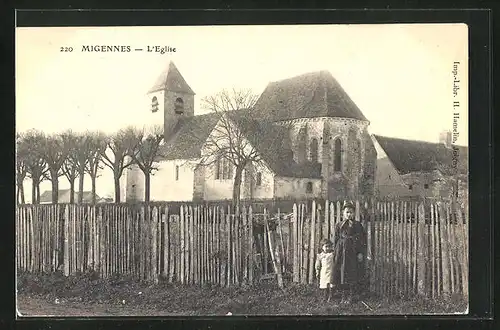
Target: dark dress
{"points": [[350, 240]]}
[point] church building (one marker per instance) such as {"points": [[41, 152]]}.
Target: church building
{"points": [[325, 150]]}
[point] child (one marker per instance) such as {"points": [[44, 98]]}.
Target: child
{"points": [[324, 268]]}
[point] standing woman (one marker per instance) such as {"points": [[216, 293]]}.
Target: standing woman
{"points": [[349, 254]]}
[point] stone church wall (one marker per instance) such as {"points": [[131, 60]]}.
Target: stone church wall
{"points": [[296, 188], [358, 157]]}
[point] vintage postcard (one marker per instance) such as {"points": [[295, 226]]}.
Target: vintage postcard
{"points": [[242, 170]]}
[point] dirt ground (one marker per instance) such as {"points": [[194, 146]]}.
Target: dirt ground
{"points": [[86, 295]]}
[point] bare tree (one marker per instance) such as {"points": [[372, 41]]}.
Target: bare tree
{"points": [[228, 142], [144, 151], [82, 156], [21, 166], [97, 145], [115, 155], [54, 153], [70, 165], [36, 167]]}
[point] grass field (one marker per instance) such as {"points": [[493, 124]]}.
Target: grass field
{"points": [[87, 295]]}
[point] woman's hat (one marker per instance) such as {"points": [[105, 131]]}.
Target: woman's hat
{"points": [[348, 205]]}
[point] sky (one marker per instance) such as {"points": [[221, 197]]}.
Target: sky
{"points": [[399, 75]]}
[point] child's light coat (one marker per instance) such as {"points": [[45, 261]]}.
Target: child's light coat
{"points": [[324, 266]]}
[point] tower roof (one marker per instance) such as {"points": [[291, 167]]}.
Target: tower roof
{"points": [[172, 80], [314, 94]]}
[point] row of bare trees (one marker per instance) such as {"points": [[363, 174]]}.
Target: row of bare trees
{"points": [[234, 139], [73, 155]]}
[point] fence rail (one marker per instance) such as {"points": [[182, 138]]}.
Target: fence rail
{"points": [[414, 247]]}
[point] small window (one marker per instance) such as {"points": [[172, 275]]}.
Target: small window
{"points": [[154, 104], [410, 187], [309, 187], [314, 150], [426, 186], [179, 106], [337, 158], [177, 173], [259, 179]]}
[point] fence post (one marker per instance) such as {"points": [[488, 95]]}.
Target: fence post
{"points": [[421, 262], [182, 244], [19, 236], [250, 245], [195, 247], [295, 250], [229, 247], [234, 244], [407, 248], [433, 256], [312, 243], [445, 248], [463, 231], [66, 241], [303, 244], [372, 252], [284, 260], [153, 228], [276, 262], [24, 242]]}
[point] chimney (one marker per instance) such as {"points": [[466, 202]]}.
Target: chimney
{"points": [[445, 138]]}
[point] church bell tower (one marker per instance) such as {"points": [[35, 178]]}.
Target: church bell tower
{"points": [[170, 98]]}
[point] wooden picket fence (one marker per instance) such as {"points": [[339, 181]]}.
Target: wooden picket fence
{"points": [[197, 245], [413, 247]]}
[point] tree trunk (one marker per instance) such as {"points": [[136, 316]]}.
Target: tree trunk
{"points": [[18, 191], [72, 191], [81, 176], [38, 192], [21, 192], [117, 188], [33, 191], [55, 187], [237, 186], [93, 178], [147, 183]]}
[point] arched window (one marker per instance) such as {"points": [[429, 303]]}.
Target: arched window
{"points": [[314, 150], [177, 173], [154, 104], [309, 187], [223, 169], [337, 157], [301, 145], [179, 106]]}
